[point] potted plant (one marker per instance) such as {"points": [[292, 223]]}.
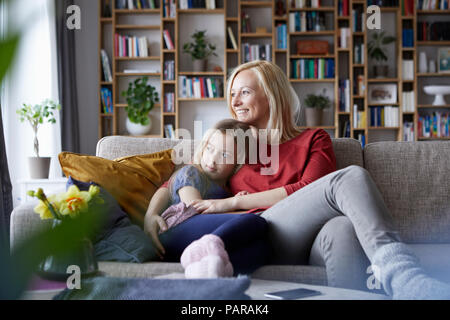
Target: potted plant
{"points": [[199, 50], [314, 109], [141, 98], [36, 116], [377, 52]]}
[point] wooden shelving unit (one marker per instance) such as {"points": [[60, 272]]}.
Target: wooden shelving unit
{"points": [[231, 12]]}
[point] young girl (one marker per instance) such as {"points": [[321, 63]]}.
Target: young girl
{"points": [[229, 243]]}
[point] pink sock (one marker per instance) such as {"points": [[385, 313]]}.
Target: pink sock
{"points": [[211, 266]]}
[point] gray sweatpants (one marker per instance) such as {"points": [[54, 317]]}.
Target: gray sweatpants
{"points": [[348, 203]]}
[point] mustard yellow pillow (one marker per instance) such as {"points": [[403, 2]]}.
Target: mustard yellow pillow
{"points": [[131, 180]]}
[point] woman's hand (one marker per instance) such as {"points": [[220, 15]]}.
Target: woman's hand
{"points": [[152, 226], [214, 205]]}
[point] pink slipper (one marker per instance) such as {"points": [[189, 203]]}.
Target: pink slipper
{"points": [[210, 266], [209, 244]]}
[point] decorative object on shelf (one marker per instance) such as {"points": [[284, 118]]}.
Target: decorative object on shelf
{"points": [[107, 13], [431, 66], [199, 50], [444, 60], [423, 67], [314, 109], [218, 69], [36, 115], [439, 91], [312, 46], [377, 52], [261, 30], [382, 93], [141, 98], [60, 208]]}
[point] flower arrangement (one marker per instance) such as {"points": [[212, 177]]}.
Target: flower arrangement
{"points": [[36, 115], [65, 205]]}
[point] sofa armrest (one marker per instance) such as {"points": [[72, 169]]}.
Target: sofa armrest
{"points": [[25, 222]]}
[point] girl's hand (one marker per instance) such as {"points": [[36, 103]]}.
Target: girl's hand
{"points": [[241, 193], [214, 205], [152, 227]]}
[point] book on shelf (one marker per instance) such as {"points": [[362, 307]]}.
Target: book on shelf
{"points": [[407, 7], [362, 139], [359, 20], [383, 3], [200, 87], [434, 125], [198, 4], [318, 68], [408, 131], [106, 98], [307, 21], [106, 66], [168, 40], [135, 4], [344, 95], [344, 38], [432, 4], [169, 70], [408, 101], [281, 36], [384, 116], [168, 131], [343, 8], [359, 118], [298, 4], [407, 38], [346, 129], [358, 54], [252, 52], [169, 102], [408, 69], [433, 31], [130, 46], [169, 8], [232, 38]]}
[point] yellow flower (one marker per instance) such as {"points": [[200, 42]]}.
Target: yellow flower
{"points": [[74, 201], [43, 210]]}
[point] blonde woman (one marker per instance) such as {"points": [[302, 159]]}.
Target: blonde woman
{"points": [[306, 192]]}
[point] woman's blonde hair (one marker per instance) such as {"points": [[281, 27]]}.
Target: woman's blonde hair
{"points": [[284, 104]]}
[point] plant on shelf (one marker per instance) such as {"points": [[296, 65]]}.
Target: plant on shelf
{"points": [[314, 109], [200, 50], [141, 98], [36, 116], [377, 51]]}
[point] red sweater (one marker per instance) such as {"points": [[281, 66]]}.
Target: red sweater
{"points": [[302, 160]]}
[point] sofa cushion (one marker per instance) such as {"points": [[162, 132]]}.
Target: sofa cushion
{"points": [[348, 152], [413, 180]]}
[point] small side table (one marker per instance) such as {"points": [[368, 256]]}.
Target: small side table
{"points": [[50, 186]]}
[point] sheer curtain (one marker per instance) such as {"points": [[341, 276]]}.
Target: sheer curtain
{"points": [[32, 79]]}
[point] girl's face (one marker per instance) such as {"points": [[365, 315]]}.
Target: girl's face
{"points": [[249, 101], [218, 158]]}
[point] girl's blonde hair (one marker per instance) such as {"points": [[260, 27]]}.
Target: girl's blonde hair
{"points": [[284, 104]]}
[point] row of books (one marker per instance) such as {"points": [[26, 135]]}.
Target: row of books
{"points": [[359, 118], [169, 102], [408, 131], [362, 139], [252, 52], [358, 54], [168, 40], [433, 31], [135, 4], [318, 68], [106, 66], [384, 116], [435, 125], [408, 69], [168, 131], [343, 8], [306, 21], [130, 46], [432, 4], [344, 38], [200, 87], [344, 95], [408, 38], [169, 70], [383, 3], [200, 4], [359, 20], [407, 7], [106, 96], [408, 101], [281, 36], [169, 8], [297, 4]]}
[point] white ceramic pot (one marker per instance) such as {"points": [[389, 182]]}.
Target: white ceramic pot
{"points": [[39, 167], [136, 129], [423, 68]]}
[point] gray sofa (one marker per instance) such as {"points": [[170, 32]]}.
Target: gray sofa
{"points": [[413, 178]]}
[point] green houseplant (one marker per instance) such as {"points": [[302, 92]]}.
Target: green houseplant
{"points": [[377, 52], [36, 116], [141, 98], [314, 109], [199, 50]]}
